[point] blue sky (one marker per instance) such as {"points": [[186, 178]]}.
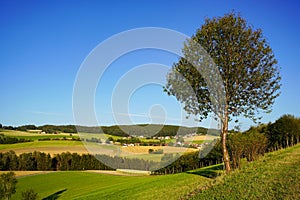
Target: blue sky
{"points": [[43, 44]]}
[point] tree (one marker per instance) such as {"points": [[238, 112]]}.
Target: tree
{"points": [[8, 184], [29, 194], [284, 132], [238, 55]]}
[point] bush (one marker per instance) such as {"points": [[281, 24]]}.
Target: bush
{"points": [[44, 139], [8, 184], [29, 194], [150, 151], [158, 151]]}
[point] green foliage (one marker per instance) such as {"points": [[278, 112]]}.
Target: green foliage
{"points": [[129, 140], [228, 69], [150, 151], [8, 184], [26, 127], [245, 62], [29, 194], [284, 132], [12, 140], [250, 145], [54, 129], [209, 155], [44, 162], [158, 151]]}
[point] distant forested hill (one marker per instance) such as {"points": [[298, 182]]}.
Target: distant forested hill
{"points": [[121, 130]]}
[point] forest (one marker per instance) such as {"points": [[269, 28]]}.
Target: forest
{"points": [[155, 130]]}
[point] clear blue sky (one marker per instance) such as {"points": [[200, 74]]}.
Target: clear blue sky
{"points": [[43, 44]]}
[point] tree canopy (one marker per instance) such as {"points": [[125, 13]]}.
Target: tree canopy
{"points": [[8, 184], [241, 57]]}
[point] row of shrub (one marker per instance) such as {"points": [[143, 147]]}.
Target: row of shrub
{"points": [[64, 138], [12, 140]]}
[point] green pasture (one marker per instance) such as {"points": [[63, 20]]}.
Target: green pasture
{"points": [[37, 144], [36, 136], [88, 185], [274, 176]]}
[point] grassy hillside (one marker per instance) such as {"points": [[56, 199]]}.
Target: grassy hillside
{"points": [[88, 185], [274, 176], [36, 136]]}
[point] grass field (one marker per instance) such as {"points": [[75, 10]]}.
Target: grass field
{"points": [[88, 185], [274, 176], [36, 136], [52, 147]]}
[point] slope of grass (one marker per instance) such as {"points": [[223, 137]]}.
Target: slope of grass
{"points": [[37, 144], [87, 185], [274, 176], [36, 136]]}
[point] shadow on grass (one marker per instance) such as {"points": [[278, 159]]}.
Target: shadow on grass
{"points": [[208, 172], [55, 195]]}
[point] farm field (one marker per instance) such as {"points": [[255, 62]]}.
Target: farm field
{"points": [[56, 147], [59, 146]]}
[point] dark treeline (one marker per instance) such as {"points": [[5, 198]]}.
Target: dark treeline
{"points": [[44, 162], [69, 161], [73, 161], [44, 128], [12, 140], [283, 133]]}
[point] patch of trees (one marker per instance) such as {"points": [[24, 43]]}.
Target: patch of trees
{"points": [[249, 145], [63, 138], [8, 184], [283, 133], [44, 162], [12, 140], [69, 161], [61, 128], [29, 194], [132, 140], [191, 161], [26, 127], [158, 151]]}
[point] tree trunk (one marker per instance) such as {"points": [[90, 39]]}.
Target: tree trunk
{"points": [[224, 148]]}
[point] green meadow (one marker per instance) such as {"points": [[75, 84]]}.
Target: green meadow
{"points": [[274, 176], [89, 185]]}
